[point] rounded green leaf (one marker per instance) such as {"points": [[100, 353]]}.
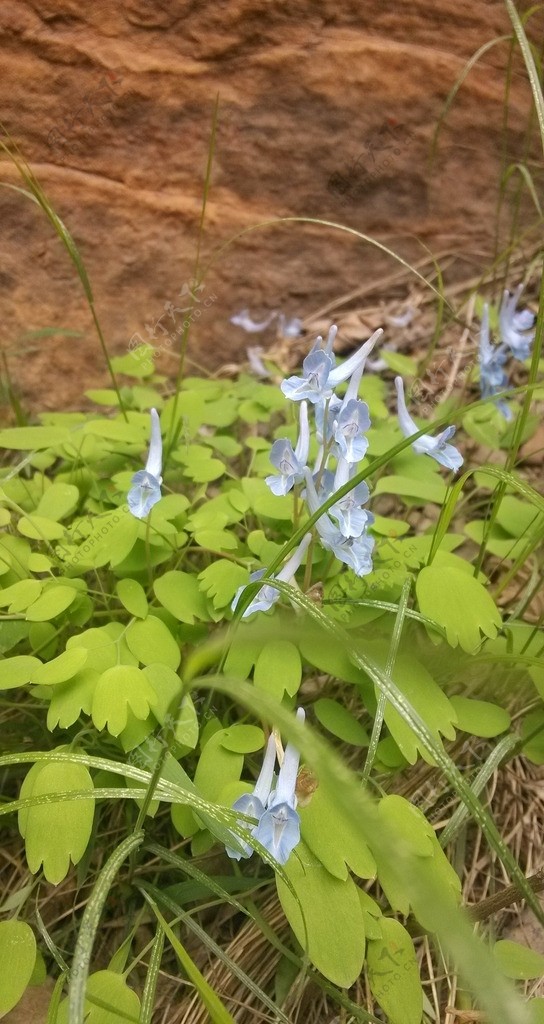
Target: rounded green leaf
{"points": [[459, 603], [242, 739], [17, 671], [151, 641], [393, 974], [29, 438], [517, 961], [17, 956], [109, 1001], [278, 668], [132, 596], [119, 689], [60, 669], [333, 915], [180, 594], [53, 601], [479, 717], [217, 768], [56, 833], [338, 720], [58, 501], [39, 563], [20, 595], [333, 838], [39, 528]]}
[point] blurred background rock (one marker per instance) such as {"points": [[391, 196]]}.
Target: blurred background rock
{"points": [[326, 109]]}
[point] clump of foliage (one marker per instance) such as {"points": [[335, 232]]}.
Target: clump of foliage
{"points": [[159, 626]]}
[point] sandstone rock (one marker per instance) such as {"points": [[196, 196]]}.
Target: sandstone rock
{"points": [[111, 104]]}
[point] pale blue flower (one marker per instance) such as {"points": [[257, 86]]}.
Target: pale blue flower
{"points": [[313, 386], [243, 320], [353, 420], [356, 552], [254, 355], [289, 327], [515, 327], [254, 804], [291, 463], [352, 519], [268, 595], [278, 829], [320, 374], [493, 378], [146, 483], [437, 447]]}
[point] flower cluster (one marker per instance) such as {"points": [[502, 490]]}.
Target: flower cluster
{"points": [[516, 333], [278, 824], [340, 426]]}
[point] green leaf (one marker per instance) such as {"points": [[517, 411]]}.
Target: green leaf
{"points": [[60, 669], [28, 438], [119, 689], [332, 913], [459, 603], [333, 838], [71, 698], [405, 365], [180, 594], [112, 539], [422, 856], [168, 688], [54, 601], [39, 528], [116, 1003], [393, 974], [132, 596], [56, 833], [17, 956], [20, 595], [152, 641], [517, 961], [427, 699], [534, 748], [217, 767], [419, 491], [518, 517], [11, 632], [536, 1011], [103, 643], [199, 464], [103, 396], [278, 668], [480, 717], [242, 739], [216, 540], [220, 581], [58, 502], [17, 671], [264, 503], [340, 722]]}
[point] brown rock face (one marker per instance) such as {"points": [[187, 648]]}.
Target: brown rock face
{"points": [[326, 111]]}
